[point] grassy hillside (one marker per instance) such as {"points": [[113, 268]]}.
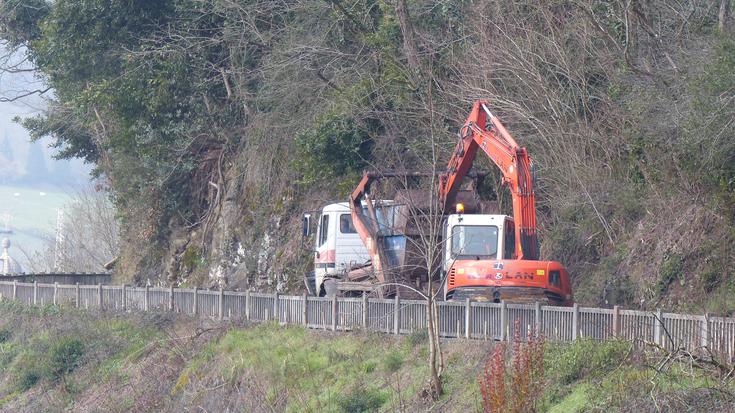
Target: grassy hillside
{"points": [[55, 359]]}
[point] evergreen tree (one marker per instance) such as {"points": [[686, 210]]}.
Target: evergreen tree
{"points": [[6, 151], [36, 170], [9, 169]]}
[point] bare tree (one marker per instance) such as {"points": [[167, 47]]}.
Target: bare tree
{"points": [[18, 76], [724, 16], [422, 217], [86, 236]]}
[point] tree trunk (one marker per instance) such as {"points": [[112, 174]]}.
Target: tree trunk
{"points": [[724, 15], [434, 349], [409, 37]]}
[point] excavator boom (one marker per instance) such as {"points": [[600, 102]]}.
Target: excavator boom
{"points": [[483, 130]]}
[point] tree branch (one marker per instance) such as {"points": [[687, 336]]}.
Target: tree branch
{"points": [[39, 92]]}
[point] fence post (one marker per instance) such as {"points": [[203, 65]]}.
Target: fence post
{"points": [[503, 320], [364, 310], [35, 292], [276, 308], [145, 298], [305, 314], [538, 319], [247, 304], [99, 295], [195, 310], [334, 312], [705, 330], [657, 328], [124, 298], [15, 290], [467, 309], [575, 322], [171, 298], [397, 315], [78, 297], [56, 293], [221, 303], [616, 321]]}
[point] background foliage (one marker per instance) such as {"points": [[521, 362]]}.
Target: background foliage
{"points": [[215, 122]]}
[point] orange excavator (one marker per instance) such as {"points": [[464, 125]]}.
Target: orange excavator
{"points": [[484, 257], [495, 257]]}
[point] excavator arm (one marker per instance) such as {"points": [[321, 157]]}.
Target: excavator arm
{"points": [[483, 130], [367, 227]]}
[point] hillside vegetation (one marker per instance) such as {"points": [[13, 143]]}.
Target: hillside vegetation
{"points": [[214, 123], [58, 359]]}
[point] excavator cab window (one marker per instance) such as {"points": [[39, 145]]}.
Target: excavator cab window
{"points": [[509, 242], [555, 278], [475, 241]]}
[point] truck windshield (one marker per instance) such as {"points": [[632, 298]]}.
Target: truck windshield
{"points": [[475, 241]]}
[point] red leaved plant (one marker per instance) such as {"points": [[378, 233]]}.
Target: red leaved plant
{"points": [[512, 380]]}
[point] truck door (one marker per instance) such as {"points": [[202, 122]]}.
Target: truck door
{"points": [[324, 257], [349, 248], [325, 248]]}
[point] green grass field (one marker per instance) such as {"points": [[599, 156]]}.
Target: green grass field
{"points": [[66, 359]]}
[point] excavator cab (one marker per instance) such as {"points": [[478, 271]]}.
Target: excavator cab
{"points": [[480, 264]]}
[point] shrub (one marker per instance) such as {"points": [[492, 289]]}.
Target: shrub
{"points": [[711, 279], [65, 355], [670, 271], [5, 334], [28, 368], [336, 145], [512, 385], [362, 400], [710, 151], [393, 361], [586, 357], [418, 337], [27, 379]]}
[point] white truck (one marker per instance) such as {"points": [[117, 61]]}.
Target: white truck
{"points": [[338, 248]]}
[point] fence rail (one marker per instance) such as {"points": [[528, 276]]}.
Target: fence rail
{"points": [[472, 320]]}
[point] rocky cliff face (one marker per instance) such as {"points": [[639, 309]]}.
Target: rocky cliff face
{"points": [[253, 241]]}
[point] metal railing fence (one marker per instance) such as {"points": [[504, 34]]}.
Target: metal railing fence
{"points": [[471, 320]]}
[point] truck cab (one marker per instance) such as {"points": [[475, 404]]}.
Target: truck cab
{"points": [[338, 246], [479, 263]]}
